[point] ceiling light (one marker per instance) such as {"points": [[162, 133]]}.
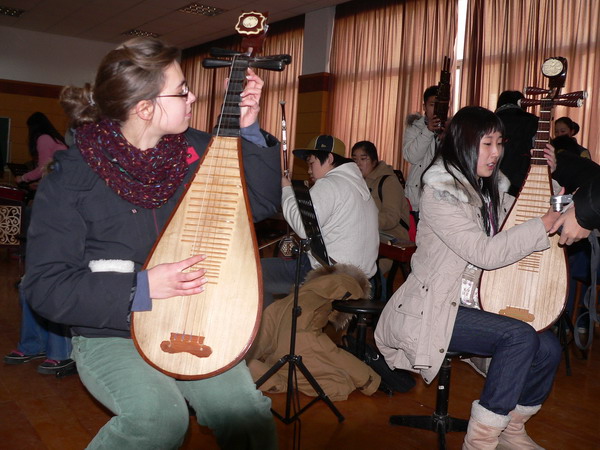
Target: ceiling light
{"points": [[12, 12], [141, 33], [203, 10]]}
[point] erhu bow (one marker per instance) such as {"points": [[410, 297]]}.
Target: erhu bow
{"points": [[287, 244], [286, 171]]}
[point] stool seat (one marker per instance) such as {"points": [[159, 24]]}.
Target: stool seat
{"points": [[360, 306], [367, 311]]}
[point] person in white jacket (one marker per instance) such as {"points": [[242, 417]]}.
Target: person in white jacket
{"points": [[419, 142], [345, 211]]}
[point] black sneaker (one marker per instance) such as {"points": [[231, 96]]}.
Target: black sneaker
{"points": [[52, 366], [17, 357]]}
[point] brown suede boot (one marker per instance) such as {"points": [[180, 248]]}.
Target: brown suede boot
{"points": [[514, 435], [484, 428]]}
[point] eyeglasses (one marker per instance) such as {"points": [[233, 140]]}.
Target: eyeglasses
{"points": [[184, 94]]}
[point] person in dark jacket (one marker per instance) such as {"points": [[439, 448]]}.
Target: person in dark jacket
{"points": [[95, 220], [581, 176], [520, 128], [565, 126]]}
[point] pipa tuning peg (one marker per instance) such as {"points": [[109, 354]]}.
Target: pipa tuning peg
{"points": [[211, 63], [576, 94], [530, 90], [223, 52]]}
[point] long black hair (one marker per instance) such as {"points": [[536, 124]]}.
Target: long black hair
{"points": [[570, 123], [39, 125], [459, 151]]}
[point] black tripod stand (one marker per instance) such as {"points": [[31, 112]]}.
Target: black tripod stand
{"points": [[295, 361]]}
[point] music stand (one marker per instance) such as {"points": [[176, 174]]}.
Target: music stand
{"points": [[314, 242]]}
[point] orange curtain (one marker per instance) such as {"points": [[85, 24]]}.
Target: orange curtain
{"points": [[384, 55], [284, 37], [507, 42]]}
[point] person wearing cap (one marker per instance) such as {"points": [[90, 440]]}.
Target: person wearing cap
{"points": [[345, 210]]}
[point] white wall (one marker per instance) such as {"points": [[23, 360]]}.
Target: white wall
{"points": [[60, 60], [318, 32], [49, 58]]}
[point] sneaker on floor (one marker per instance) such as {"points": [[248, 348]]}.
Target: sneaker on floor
{"points": [[17, 357], [51, 366]]}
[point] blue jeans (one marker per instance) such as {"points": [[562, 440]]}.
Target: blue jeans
{"points": [[39, 335], [523, 364], [279, 276], [150, 407]]}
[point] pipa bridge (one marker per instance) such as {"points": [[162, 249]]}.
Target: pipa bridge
{"points": [[186, 343]]}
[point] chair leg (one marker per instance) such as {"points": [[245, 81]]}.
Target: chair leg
{"points": [[564, 328], [575, 312], [439, 421], [361, 335]]}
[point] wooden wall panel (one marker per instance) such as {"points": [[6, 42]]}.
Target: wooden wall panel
{"points": [[312, 115], [18, 100]]}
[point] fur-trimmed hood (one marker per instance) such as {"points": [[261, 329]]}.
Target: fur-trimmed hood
{"points": [[346, 269], [328, 283], [337, 371], [446, 187], [412, 118]]}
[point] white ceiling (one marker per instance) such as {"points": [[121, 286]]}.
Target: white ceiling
{"points": [[106, 20]]}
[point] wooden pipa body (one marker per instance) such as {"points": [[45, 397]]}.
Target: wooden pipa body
{"points": [[220, 323], [535, 288]]}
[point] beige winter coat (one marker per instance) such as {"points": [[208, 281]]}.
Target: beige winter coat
{"points": [[416, 325], [418, 148], [390, 200], [337, 371]]}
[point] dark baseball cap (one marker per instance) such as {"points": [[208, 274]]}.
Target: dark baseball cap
{"points": [[322, 144]]}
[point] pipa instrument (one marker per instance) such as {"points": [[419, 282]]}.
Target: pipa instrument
{"points": [[535, 288], [199, 336]]}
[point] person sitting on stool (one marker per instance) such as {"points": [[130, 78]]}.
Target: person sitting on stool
{"points": [[435, 311], [345, 211]]}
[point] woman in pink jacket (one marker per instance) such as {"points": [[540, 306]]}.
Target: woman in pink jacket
{"points": [[44, 141]]}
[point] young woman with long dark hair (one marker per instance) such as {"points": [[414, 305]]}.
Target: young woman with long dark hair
{"points": [[463, 203]]}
